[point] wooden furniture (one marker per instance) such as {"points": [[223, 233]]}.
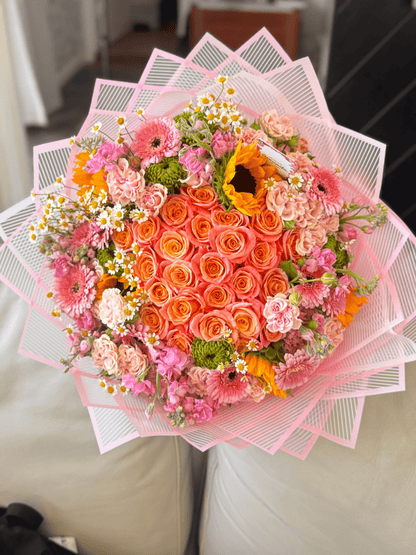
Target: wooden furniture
{"points": [[235, 26]]}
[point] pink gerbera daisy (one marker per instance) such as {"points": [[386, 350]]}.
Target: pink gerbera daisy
{"points": [[296, 371], [75, 292], [325, 187], [85, 234], [313, 292], [336, 302], [156, 139], [227, 387]]}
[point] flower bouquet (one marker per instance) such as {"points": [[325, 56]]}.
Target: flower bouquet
{"points": [[204, 251]]}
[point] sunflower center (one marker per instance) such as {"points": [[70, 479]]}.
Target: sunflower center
{"points": [[243, 181], [155, 143]]}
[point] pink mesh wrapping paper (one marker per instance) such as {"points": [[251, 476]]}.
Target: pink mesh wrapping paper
{"points": [[377, 345]]}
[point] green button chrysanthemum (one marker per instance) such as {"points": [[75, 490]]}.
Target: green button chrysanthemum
{"points": [[167, 172], [210, 354]]}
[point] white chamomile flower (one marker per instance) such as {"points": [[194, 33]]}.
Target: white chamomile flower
{"points": [[140, 112], [119, 257], [121, 330], [143, 297], [139, 214], [120, 120], [33, 195], [241, 366], [296, 181], [112, 389], [78, 216], [224, 120], [252, 345], [235, 356], [222, 79], [120, 139], [72, 140], [103, 197], [102, 383], [204, 101], [33, 236], [60, 180], [95, 129], [136, 249], [123, 389], [229, 91], [270, 183], [221, 367], [111, 267], [104, 220], [236, 118], [151, 340]]}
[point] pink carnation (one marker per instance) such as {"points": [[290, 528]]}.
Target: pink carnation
{"points": [[111, 308], [105, 354], [334, 330], [156, 139], [281, 315], [249, 136], [170, 362], [75, 291], [279, 127], [125, 185], [227, 387], [196, 161], [325, 187], [302, 160], [197, 380], [153, 198], [201, 411], [285, 202], [296, 371], [131, 360], [106, 157]]}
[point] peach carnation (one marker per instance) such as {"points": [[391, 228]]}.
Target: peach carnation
{"points": [[125, 185], [278, 127]]}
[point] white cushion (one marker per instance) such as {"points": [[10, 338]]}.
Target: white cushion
{"points": [[134, 499], [339, 501]]}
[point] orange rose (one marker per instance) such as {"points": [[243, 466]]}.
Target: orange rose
{"points": [[267, 225], [274, 281], [212, 267], [213, 326], [263, 256], [198, 229], [173, 245], [233, 218], [246, 320], [179, 274], [180, 338], [288, 243], [246, 283], [183, 307], [158, 291], [271, 336], [202, 196], [145, 266], [176, 212], [123, 240], [218, 296], [235, 243], [150, 316], [145, 232]]}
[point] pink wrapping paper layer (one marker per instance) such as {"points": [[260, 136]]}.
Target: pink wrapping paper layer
{"points": [[376, 347]]}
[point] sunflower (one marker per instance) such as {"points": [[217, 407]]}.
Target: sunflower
{"points": [[245, 176]]}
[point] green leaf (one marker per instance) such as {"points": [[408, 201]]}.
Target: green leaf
{"points": [[255, 126], [290, 224], [289, 268]]}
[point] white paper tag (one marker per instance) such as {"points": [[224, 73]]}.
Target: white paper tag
{"points": [[282, 162], [66, 541]]}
